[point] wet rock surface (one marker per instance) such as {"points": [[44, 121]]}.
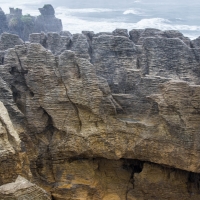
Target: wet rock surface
{"points": [[105, 116]]}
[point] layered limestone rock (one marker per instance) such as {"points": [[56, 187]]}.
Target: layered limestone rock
{"points": [[13, 160], [157, 182], [8, 40], [22, 189], [107, 115]]}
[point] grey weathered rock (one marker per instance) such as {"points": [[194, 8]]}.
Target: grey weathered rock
{"points": [[22, 189], [47, 21], [135, 34], [40, 38], [8, 40], [120, 32], [3, 22], [196, 43], [138, 35]]}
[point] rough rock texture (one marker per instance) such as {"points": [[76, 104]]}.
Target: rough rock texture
{"points": [[47, 20], [23, 25], [22, 189], [8, 40], [157, 182], [107, 116], [13, 160], [196, 43], [138, 35], [3, 22]]}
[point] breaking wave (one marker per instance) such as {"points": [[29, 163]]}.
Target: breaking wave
{"points": [[164, 24], [83, 10], [121, 18], [77, 25], [132, 11]]}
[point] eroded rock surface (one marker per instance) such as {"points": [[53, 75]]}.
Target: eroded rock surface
{"points": [[13, 160], [8, 40], [22, 189], [3, 22], [47, 21], [107, 115]]}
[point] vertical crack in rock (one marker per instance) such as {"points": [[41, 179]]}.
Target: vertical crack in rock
{"points": [[145, 67], [72, 103], [45, 155], [19, 78], [11, 139], [89, 35], [134, 166], [138, 63], [69, 45], [2, 61], [77, 112], [23, 72]]}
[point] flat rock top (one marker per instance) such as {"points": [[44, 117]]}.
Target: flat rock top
{"points": [[20, 184]]}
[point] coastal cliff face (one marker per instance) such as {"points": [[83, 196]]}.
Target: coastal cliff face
{"points": [[23, 25], [112, 116]]}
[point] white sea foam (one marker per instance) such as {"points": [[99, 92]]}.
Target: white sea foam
{"points": [[164, 24], [132, 11], [83, 10], [75, 24]]}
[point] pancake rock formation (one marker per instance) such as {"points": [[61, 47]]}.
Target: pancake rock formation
{"points": [[106, 116], [23, 25]]}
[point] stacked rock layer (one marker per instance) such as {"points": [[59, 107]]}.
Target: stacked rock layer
{"points": [[102, 116]]}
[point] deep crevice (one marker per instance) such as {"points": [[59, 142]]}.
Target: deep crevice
{"points": [[69, 45], [45, 157], [2, 61], [18, 82], [134, 166], [89, 41], [138, 63], [193, 182]]}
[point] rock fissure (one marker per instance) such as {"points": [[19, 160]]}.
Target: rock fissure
{"points": [[72, 103], [96, 102]]}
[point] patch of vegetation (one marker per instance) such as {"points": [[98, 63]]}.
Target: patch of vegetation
{"points": [[13, 22], [27, 19]]}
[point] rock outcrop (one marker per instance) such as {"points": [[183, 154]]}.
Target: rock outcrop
{"points": [[106, 116], [13, 160], [47, 21], [23, 25], [22, 189], [8, 40], [3, 22]]}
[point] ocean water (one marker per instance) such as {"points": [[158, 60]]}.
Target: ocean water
{"points": [[104, 15]]}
